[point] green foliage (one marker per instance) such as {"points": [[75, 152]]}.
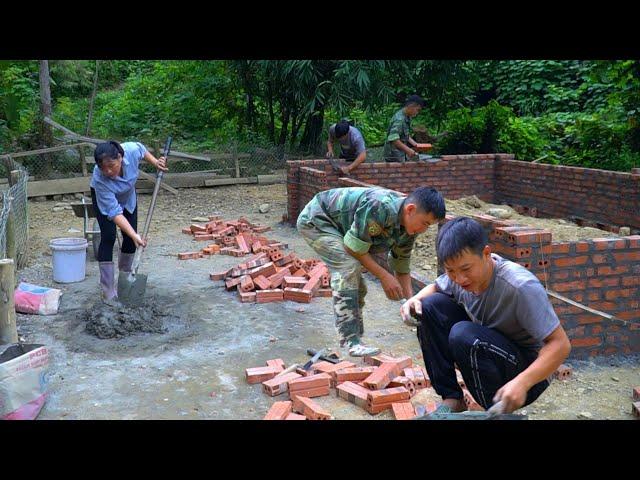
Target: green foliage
{"points": [[18, 98]]}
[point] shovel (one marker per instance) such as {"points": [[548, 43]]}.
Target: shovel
{"points": [[131, 285]]}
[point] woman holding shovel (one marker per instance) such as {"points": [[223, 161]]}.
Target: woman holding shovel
{"points": [[113, 193]]}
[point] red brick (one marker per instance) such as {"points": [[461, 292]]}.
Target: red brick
{"points": [[262, 282], [418, 375], [232, 283], [324, 293], [189, 255], [276, 363], [586, 342], [187, 231], [309, 408], [260, 374], [403, 410], [312, 381], [402, 381], [376, 360], [298, 295], [563, 372], [293, 282], [385, 373], [328, 367], [295, 416], [248, 297], [197, 228], [379, 400], [355, 374], [242, 244], [636, 393], [202, 238], [279, 411], [267, 296], [278, 385], [277, 278], [353, 393], [313, 392], [635, 409], [246, 284], [219, 275], [470, 402], [265, 270]]}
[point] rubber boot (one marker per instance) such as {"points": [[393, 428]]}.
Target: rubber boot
{"points": [[125, 261], [108, 283]]}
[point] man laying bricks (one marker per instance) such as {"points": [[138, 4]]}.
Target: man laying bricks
{"points": [[489, 316], [345, 225]]}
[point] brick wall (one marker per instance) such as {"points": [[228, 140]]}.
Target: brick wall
{"points": [[603, 274], [599, 198]]}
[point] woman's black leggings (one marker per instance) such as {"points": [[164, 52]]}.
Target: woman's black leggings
{"points": [[108, 232]]}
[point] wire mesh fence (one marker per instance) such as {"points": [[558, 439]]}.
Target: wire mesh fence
{"points": [[14, 216]]}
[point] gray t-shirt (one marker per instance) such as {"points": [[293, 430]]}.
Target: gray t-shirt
{"points": [[515, 304], [352, 144]]}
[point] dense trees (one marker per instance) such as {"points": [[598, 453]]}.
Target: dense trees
{"points": [[574, 112]]}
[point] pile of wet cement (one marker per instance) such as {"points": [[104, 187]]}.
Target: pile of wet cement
{"points": [[106, 321]]}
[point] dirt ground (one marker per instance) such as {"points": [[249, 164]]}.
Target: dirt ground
{"points": [[194, 367], [424, 261]]}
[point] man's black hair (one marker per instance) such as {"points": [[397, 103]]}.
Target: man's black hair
{"points": [[429, 200], [415, 99], [458, 235], [342, 128], [107, 151]]}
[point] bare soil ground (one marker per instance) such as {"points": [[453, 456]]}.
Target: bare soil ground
{"points": [[195, 368]]}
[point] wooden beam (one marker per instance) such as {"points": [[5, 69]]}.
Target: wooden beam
{"points": [[152, 178], [230, 181], [8, 330], [47, 150], [74, 135]]}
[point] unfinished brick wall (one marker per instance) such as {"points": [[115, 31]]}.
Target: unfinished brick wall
{"points": [[597, 198], [603, 274]]}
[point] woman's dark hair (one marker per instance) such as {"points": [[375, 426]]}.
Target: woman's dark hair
{"points": [[107, 151]]}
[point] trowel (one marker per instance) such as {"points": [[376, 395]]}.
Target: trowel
{"points": [[131, 285]]}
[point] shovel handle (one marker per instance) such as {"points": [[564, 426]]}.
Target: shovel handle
{"points": [[156, 188]]}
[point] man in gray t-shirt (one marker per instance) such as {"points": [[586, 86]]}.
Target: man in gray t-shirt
{"points": [[489, 316], [352, 147]]}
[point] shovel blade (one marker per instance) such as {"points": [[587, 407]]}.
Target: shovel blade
{"points": [[131, 289]]}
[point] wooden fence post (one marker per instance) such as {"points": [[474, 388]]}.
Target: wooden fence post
{"points": [[8, 329], [83, 162]]}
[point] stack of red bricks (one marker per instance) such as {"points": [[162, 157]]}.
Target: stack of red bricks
{"points": [[635, 406], [382, 383], [272, 276], [236, 238]]}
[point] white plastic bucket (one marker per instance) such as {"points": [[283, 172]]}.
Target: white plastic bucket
{"points": [[69, 258]]}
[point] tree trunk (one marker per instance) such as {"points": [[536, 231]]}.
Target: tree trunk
{"points": [[285, 126], [313, 131], [272, 122], [92, 100], [46, 133]]}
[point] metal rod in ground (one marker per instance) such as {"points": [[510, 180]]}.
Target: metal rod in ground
{"points": [[8, 330]]}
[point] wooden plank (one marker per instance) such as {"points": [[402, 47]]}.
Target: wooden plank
{"points": [[58, 148], [229, 181], [58, 187], [265, 179], [152, 178], [182, 180]]}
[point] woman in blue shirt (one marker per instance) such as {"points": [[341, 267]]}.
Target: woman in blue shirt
{"points": [[113, 193]]}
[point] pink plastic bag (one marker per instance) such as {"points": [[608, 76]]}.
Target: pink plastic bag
{"points": [[23, 381]]}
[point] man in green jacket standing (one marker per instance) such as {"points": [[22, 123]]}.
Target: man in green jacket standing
{"points": [[399, 146], [345, 225]]}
